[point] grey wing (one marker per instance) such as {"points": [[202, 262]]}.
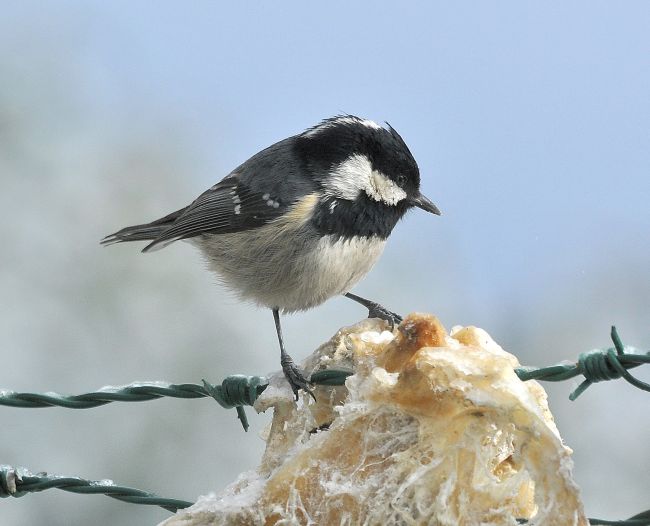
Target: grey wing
{"points": [[229, 206]]}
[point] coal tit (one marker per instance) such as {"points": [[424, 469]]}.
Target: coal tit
{"points": [[301, 221]]}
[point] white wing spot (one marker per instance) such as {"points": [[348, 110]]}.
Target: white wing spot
{"points": [[276, 204], [237, 209], [266, 197], [236, 199], [333, 206]]}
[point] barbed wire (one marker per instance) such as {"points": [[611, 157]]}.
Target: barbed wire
{"points": [[237, 391], [17, 482], [595, 366], [640, 519]]}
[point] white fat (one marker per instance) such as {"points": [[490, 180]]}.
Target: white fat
{"points": [[377, 337], [356, 175]]}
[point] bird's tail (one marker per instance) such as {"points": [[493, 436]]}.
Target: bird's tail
{"points": [[144, 232]]}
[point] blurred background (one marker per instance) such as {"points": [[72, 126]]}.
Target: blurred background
{"points": [[531, 126]]}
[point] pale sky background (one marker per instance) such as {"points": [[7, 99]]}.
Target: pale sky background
{"points": [[530, 123]]}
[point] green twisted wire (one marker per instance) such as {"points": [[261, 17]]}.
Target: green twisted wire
{"points": [[17, 482], [235, 391], [238, 390], [595, 366], [640, 519]]}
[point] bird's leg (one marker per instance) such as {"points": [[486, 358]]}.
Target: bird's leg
{"points": [[377, 311], [293, 375]]}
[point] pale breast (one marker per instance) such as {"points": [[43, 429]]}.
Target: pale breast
{"points": [[292, 269], [340, 264]]}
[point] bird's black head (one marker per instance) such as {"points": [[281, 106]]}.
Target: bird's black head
{"points": [[367, 174]]}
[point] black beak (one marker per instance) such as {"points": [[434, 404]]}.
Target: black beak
{"points": [[425, 204]]}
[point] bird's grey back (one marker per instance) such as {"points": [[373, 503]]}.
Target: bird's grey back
{"points": [[277, 170]]}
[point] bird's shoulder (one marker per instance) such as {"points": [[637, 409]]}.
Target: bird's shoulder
{"points": [[258, 191]]}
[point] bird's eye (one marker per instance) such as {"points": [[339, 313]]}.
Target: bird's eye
{"points": [[401, 180]]}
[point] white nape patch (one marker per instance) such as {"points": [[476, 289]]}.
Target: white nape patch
{"points": [[346, 119], [355, 175], [349, 178], [237, 209]]}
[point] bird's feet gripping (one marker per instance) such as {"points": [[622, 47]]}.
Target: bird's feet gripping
{"points": [[295, 377], [378, 311], [375, 310]]}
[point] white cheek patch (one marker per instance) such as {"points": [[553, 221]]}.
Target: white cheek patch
{"points": [[355, 175], [384, 189]]}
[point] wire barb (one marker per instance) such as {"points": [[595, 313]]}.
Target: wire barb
{"points": [[17, 482], [237, 391], [595, 366]]}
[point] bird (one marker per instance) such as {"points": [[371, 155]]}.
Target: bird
{"points": [[301, 221]]}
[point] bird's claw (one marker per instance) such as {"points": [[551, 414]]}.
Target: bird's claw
{"points": [[378, 311], [295, 377]]}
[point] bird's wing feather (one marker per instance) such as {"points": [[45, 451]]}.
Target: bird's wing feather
{"points": [[229, 206], [260, 190]]}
